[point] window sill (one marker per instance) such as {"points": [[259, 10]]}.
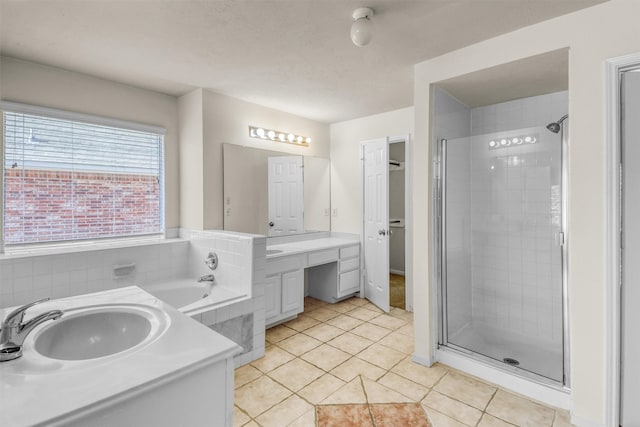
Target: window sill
{"points": [[87, 246]]}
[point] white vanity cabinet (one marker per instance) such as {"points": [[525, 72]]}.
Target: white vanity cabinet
{"points": [[284, 288], [334, 274]]}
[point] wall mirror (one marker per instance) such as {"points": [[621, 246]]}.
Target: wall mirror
{"points": [[275, 193]]}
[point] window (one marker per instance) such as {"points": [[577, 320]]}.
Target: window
{"points": [[67, 179]]}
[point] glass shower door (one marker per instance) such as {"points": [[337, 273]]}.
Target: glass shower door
{"points": [[502, 248]]}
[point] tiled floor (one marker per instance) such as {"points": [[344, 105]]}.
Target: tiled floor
{"points": [[350, 364]]}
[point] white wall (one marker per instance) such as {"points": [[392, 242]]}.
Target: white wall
{"points": [[592, 35], [346, 177], [46, 86], [191, 165], [227, 120]]}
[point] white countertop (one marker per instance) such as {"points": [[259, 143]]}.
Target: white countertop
{"points": [[310, 245], [35, 390]]}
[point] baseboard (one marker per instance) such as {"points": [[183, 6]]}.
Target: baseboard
{"points": [[584, 422], [422, 360]]}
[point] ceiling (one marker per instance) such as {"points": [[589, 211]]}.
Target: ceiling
{"points": [[291, 55], [536, 75]]}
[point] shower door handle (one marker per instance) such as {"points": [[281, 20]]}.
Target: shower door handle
{"points": [[560, 238]]}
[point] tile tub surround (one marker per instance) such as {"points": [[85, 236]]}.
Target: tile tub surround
{"points": [[84, 269], [245, 254], [334, 361]]}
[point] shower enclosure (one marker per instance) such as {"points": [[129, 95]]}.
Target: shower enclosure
{"points": [[500, 219]]}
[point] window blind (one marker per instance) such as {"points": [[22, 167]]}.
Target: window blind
{"points": [[73, 180]]}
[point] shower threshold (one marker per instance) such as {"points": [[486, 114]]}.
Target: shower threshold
{"points": [[509, 377]]}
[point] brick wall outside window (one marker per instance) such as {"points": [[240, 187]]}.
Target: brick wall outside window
{"points": [[55, 205]]}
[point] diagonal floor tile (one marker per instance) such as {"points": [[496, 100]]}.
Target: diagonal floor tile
{"points": [[284, 412], [325, 357], [301, 323], [245, 374], [344, 322], [258, 396], [321, 388], [350, 343], [371, 332], [278, 333], [323, 314], [324, 332], [388, 322], [295, 374], [404, 386], [452, 408], [520, 411], [466, 389], [363, 314], [381, 356], [299, 344], [274, 356], [377, 393], [426, 376], [352, 392], [356, 366]]}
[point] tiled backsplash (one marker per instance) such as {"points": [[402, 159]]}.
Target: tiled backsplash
{"points": [[28, 277]]}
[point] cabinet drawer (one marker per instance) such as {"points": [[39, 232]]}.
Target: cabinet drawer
{"points": [[349, 264], [323, 257], [349, 251], [282, 264], [349, 282]]}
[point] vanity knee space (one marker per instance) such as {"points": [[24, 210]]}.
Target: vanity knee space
{"points": [[330, 269]]}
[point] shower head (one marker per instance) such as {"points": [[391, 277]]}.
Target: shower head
{"points": [[556, 126]]}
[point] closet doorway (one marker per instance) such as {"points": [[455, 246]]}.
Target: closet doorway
{"points": [[386, 237]]}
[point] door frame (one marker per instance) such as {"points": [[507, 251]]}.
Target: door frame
{"points": [[408, 223], [613, 211]]}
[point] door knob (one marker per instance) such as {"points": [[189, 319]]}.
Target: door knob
{"points": [[382, 232], [271, 224]]}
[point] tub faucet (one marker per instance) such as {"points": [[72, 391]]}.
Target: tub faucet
{"points": [[206, 278], [13, 331]]}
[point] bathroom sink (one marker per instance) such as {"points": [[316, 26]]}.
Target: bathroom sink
{"points": [[99, 331], [273, 251]]}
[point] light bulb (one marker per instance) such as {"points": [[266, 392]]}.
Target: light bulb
{"points": [[492, 144], [281, 137], [308, 140], [299, 139], [291, 137], [361, 29], [271, 134], [260, 132]]}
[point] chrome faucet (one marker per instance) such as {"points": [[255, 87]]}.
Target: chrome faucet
{"points": [[206, 278], [13, 331]]}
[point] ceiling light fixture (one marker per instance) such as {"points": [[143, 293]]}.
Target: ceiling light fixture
{"points": [[278, 136], [361, 29]]}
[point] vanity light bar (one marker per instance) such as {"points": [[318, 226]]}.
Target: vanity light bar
{"points": [[275, 135], [508, 142]]}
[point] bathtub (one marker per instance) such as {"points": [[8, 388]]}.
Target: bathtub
{"points": [[191, 297]]}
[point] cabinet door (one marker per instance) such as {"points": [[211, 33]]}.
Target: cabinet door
{"points": [[272, 296], [292, 291]]}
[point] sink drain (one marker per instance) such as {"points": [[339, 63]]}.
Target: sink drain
{"points": [[510, 361]]}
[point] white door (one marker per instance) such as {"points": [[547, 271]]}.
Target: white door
{"points": [[630, 295], [286, 200], [376, 221]]}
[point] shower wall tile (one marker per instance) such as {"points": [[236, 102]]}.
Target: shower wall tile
{"points": [[515, 264]]}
